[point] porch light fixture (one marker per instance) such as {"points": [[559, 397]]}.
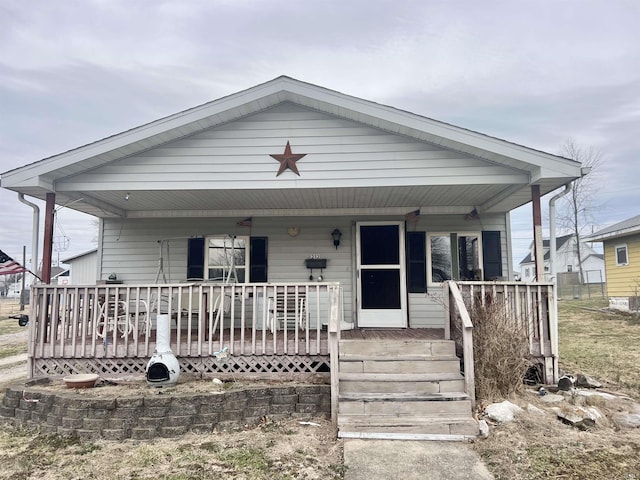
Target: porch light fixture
{"points": [[126, 197], [336, 234]]}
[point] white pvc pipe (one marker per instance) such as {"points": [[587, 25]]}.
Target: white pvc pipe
{"points": [[163, 333]]}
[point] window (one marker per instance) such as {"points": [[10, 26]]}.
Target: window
{"points": [[454, 256], [226, 259], [569, 268], [527, 272], [622, 257]]}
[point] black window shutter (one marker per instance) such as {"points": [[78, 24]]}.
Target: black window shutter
{"points": [[417, 262], [492, 255], [195, 258], [258, 260]]}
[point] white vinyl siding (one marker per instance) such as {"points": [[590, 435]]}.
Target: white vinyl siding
{"points": [[132, 248], [132, 251], [84, 269], [338, 153]]}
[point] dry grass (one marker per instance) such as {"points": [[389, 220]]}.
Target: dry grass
{"points": [[284, 450], [606, 347], [9, 325], [602, 344]]}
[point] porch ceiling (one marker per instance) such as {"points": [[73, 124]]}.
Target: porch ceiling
{"points": [[436, 199]]}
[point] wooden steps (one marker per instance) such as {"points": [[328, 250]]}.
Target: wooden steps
{"points": [[409, 389]]}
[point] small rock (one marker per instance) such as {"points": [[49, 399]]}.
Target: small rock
{"points": [[217, 381], [503, 412], [590, 393], [627, 420], [552, 398], [586, 381], [534, 410], [483, 426], [576, 417]]}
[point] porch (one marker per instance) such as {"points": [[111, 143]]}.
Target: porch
{"points": [[240, 329], [264, 329]]}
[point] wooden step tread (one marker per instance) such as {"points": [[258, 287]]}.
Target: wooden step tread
{"points": [[400, 377], [427, 437], [356, 357], [404, 420], [396, 340], [403, 397]]}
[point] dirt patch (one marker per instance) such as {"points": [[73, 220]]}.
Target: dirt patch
{"points": [[113, 388]]}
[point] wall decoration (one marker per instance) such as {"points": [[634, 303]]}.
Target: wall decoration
{"points": [[288, 160]]}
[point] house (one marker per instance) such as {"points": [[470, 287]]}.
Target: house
{"points": [[83, 268], [621, 243], [300, 231], [566, 260]]}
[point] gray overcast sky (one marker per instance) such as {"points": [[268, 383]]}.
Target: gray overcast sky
{"points": [[532, 72]]}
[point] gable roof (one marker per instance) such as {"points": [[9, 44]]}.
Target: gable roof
{"points": [[546, 244], [80, 255], [38, 178], [629, 226]]}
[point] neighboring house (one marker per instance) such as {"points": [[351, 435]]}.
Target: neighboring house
{"points": [[269, 220], [566, 260], [622, 259], [83, 268]]}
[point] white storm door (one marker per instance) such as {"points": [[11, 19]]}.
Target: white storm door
{"points": [[382, 293]]}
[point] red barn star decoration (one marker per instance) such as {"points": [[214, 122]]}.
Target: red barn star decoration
{"points": [[288, 160]]}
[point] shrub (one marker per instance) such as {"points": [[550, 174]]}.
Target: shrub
{"points": [[501, 351]]}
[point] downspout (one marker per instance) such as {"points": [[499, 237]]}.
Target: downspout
{"points": [[35, 231], [552, 269], [552, 230]]}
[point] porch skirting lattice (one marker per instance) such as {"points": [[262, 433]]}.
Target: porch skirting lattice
{"points": [[268, 364]]}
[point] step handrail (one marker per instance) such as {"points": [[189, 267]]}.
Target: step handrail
{"points": [[458, 310]]}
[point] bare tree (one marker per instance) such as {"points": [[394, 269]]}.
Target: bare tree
{"points": [[578, 207]]}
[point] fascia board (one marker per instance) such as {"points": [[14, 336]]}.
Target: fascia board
{"points": [[611, 235]]}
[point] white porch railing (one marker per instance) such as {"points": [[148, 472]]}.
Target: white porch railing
{"points": [[112, 327], [532, 306]]}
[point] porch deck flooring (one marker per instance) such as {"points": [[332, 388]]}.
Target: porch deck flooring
{"points": [[393, 334]]}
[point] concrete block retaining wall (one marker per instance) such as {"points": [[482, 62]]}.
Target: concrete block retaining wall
{"points": [[158, 414]]}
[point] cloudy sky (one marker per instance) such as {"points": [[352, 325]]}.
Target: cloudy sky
{"points": [[534, 72]]}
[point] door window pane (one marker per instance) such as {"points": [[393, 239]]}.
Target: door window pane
{"points": [[379, 245], [380, 289]]}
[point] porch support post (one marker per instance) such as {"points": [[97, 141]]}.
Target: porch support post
{"points": [[47, 248], [538, 250]]}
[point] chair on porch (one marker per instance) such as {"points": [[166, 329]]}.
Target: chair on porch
{"points": [[120, 315], [112, 315], [288, 310]]}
